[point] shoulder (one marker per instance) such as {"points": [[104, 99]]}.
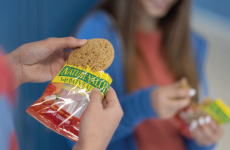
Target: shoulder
{"points": [[198, 42], [94, 25], [197, 37], [199, 47], [97, 16]]}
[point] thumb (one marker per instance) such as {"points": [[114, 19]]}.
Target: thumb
{"points": [[95, 97], [178, 90], [54, 44], [180, 104], [111, 98]]}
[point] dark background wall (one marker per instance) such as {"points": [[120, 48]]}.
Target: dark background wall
{"points": [[23, 21]]}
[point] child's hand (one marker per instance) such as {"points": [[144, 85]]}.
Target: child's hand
{"points": [[168, 100], [207, 134], [99, 121]]}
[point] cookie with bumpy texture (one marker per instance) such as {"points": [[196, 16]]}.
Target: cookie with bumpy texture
{"points": [[98, 54]]}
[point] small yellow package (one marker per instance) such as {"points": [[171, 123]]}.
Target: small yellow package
{"points": [[219, 111]]}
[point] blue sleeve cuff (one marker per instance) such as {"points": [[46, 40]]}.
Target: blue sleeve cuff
{"points": [[146, 104], [192, 145], [137, 107]]}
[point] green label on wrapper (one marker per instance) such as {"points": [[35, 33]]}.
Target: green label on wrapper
{"points": [[219, 111], [84, 78]]}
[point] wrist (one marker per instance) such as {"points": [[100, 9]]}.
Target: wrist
{"points": [[153, 98], [81, 146], [148, 109], [14, 66], [154, 101]]}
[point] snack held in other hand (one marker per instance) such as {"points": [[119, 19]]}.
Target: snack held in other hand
{"points": [[203, 113], [65, 99], [215, 109]]}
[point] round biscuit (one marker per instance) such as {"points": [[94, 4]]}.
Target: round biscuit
{"points": [[98, 54]]}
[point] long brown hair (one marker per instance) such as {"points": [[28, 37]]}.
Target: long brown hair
{"points": [[176, 46]]}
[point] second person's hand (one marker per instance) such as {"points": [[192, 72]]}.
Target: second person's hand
{"points": [[208, 134], [168, 100]]}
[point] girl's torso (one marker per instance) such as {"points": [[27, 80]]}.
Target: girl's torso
{"points": [[155, 134], [100, 24]]}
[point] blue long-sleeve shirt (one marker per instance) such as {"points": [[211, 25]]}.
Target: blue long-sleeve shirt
{"points": [[136, 105]]}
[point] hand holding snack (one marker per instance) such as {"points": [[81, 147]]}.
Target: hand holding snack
{"points": [[204, 130], [168, 100], [99, 119], [207, 134], [201, 121], [65, 99], [41, 61]]}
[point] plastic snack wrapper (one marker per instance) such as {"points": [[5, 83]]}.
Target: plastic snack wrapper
{"points": [[65, 99], [203, 113]]}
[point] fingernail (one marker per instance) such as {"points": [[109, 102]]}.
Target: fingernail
{"points": [[201, 121], [192, 92], [208, 119], [193, 125], [95, 89], [83, 40]]}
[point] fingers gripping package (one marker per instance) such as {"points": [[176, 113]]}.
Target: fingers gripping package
{"points": [[65, 99], [201, 113]]}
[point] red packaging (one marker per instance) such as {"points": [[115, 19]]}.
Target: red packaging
{"points": [[65, 99]]}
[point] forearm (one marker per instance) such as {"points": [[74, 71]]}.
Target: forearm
{"points": [[82, 146], [137, 107], [86, 145]]}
